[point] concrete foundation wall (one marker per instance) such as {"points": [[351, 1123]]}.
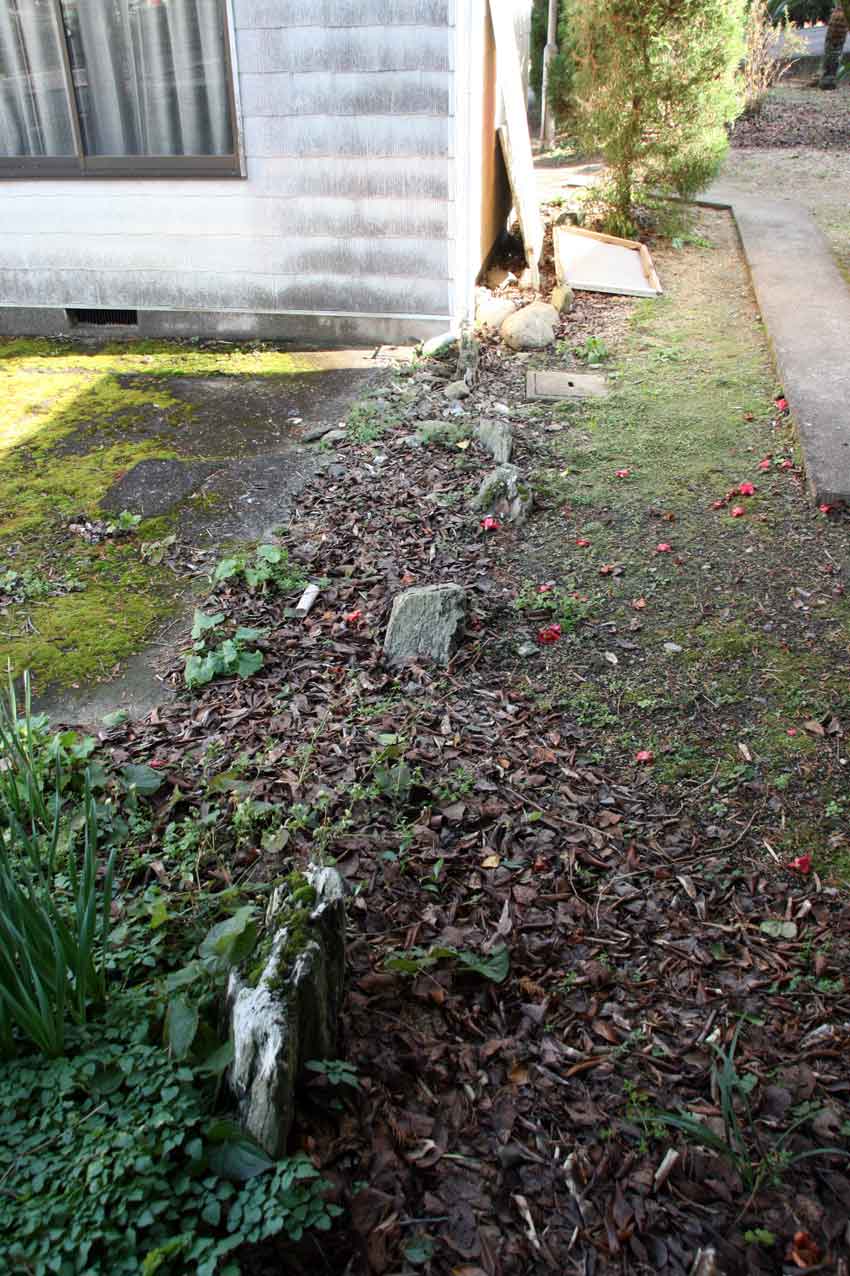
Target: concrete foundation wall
{"points": [[348, 204]]}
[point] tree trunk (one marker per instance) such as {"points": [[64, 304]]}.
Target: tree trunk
{"points": [[836, 34]]}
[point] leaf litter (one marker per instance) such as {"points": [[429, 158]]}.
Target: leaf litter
{"points": [[545, 958]]}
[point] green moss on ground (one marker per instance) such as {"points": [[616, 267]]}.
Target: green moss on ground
{"points": [[72, 424], [755, 603]]}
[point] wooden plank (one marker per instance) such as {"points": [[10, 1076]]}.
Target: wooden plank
{"points": [[515, 138], [565, 385], [594, 262]]}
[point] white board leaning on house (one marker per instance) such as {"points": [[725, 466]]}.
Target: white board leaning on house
{"points": [[587, 260]]}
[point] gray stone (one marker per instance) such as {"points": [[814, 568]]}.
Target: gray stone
{"points": [[335, 436], [457, 390], [426, 622], [672, 648], [442, 346], [504, 494], [561, 298], [317, 432], [410, 440], [291, 1014], [531, 328], [491, 312], [497, 437]]}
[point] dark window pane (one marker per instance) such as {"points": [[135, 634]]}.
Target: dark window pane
{"points": [[34, 115], [150, 76]]}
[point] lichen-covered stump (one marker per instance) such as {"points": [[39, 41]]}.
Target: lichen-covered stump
{"points": [[287, 1010]]}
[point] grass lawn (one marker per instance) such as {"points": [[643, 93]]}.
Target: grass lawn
{"points": [[74, 421], [727, 655]]}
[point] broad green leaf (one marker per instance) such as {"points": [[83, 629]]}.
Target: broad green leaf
{"points": [[494, 967], [249, 662], [234, 1155], [142, 778], [779, 930], [203, 622], [226, 568], [215, 1063], [233, 938], [270, 553], [181, 1025]]}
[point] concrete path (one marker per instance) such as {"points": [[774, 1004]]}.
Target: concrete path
{"points": [[805, 304]]}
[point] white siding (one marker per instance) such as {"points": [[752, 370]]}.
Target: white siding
{"points": [[347, 206]]}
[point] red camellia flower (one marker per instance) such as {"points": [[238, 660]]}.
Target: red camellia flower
{"points": [[826, 509], [663, 548], [352, 617], [738, 511], [802, 864], [158, 762], [746, 489], [782, 404], [645, 755], [490, 524], [785, 464], [791, 731], [582, 542], [549, 633], [765, 464], [718, 505], [546, 587], [623, 473]]}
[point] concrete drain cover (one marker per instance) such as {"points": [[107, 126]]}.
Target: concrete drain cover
{"points": [[565, 385]]}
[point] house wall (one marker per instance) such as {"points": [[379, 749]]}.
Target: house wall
{"points": [[343, 226]]}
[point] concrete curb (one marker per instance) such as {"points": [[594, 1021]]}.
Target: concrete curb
{"points": [[805, 304]]}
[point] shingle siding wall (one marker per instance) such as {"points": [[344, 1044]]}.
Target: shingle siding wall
{"points": [[346, 111]]}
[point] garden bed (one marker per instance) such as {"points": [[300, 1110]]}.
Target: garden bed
{"points": [[597, 882]]}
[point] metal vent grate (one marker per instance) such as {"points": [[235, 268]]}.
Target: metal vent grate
{"points": [[104, 318]]}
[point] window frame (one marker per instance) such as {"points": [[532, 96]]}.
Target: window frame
{"points": [[83, 167]]}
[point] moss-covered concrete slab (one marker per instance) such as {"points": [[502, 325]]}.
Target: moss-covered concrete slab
{"points": [[202, 441]]}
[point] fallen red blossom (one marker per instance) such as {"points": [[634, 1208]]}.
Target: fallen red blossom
{"points": [[746, 489], [546, 587], [785, 464], [582, 542], [718, 505], [737, 511], [765, 464], [549, 633], [826, 509], [645, 756], [663, 548], [490, 524], [352, 617], [782, 404], [802, 864], [624, 473]]}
